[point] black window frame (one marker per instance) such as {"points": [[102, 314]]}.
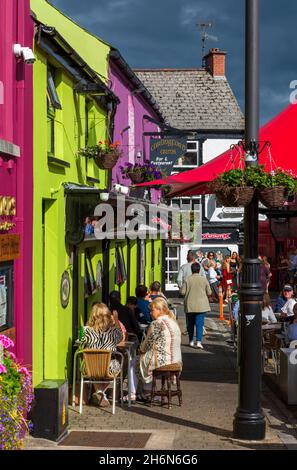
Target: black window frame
{"points": [[8, 266]]}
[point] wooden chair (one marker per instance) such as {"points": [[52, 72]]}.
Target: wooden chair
{"points": [[94, 369], [167, 374], [271, 344]]}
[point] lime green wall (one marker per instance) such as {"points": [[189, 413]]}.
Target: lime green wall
{"points": [[133, 266], [92, 49], [51, 255], [158, 261]]}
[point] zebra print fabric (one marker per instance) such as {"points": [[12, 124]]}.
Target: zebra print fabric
{"points": [[103, 340]]}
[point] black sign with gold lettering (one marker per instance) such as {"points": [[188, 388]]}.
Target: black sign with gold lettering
{"points": [[165, 152]]}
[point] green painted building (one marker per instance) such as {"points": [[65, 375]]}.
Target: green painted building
{"points": [[73, 108]]}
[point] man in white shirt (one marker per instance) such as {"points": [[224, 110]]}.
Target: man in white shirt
{"points": [[185, 270]]}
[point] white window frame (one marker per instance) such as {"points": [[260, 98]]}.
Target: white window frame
{"points": [[168, 259], [196, 150]]}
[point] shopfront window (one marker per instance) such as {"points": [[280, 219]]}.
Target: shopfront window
{"points": [[6, 296]]}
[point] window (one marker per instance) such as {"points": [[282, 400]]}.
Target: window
{"points": [[6, 296], [53, 98], [190, 158], [53, 103], [188, 203], [172, 266]]}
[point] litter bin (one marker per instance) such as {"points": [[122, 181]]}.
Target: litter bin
{"points": [[288, 376], [50, 410]]}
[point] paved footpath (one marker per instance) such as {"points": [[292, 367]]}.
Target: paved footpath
{"points": [[204, 421]]}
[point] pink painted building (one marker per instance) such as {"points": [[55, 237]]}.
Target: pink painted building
{"points": [[136, 116], [16, 180]]}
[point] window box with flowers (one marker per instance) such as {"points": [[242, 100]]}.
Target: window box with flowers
{"points": [[105, 154], [15, 398]]}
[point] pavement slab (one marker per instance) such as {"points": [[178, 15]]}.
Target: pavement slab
{"points": [[205, 419]]}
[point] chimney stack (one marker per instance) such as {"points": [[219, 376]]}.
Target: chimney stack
{"points": [[215, 62]]}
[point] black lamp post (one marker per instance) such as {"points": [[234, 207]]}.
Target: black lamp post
{"points": [[249, 422]]}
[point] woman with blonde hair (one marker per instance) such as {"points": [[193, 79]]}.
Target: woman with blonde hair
{"points": [[102, 331], [161, 346], [227, 281]]}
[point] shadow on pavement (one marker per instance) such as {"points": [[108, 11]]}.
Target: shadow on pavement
{"points": [[181, 422]]}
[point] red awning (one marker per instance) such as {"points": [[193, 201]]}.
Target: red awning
{"points": [[280, 131]]}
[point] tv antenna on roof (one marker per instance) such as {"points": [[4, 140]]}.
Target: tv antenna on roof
{"points": [[203, 27]]}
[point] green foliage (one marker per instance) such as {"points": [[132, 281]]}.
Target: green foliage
{"points": [[233, 178], [11, 381]]}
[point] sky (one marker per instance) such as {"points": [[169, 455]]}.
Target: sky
{"points": [[164, 34]]}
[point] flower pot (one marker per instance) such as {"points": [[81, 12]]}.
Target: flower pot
{"points": [[235, 197], [272, 197], [106, 161]]}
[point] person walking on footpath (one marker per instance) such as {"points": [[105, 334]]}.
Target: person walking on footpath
{"points": [[185, 269], [196, 290]]}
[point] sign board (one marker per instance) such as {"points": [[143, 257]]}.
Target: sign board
{"points": [[217, 236], [9, 247], [165, 152]]}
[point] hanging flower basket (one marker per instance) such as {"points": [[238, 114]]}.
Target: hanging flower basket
{"points": [[106, 161], [272, 197], [138, 173], [235, 197], [136, 177], [105, 154]]}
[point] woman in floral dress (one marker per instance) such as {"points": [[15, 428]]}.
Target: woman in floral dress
{"points": [[161, 345]]}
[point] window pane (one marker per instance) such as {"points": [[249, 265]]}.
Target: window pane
{"points": [[172, 252], [52, 92], [173, 265], [192, 145], [173, 278]]}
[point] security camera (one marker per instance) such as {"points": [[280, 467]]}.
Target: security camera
{"points": [[26, 52]]}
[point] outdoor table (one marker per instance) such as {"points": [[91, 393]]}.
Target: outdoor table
{"points": [[129, 347]]}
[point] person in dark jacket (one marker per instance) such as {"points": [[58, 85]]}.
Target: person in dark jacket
{"points": [[143, 301], [125, 315], [132, 305]]}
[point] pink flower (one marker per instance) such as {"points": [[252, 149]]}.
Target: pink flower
{"points": [[6, 342], [2, 369], [24, 370], [12, 355]]}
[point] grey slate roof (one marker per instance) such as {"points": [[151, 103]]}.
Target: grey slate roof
{"points": [[193, 98]]}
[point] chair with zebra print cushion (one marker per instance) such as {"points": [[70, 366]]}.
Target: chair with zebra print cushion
{"points": [[96, 369]]}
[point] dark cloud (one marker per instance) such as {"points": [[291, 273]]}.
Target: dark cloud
{"points": [[163, 33]]}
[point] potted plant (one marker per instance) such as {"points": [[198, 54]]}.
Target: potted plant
{"points": [[232, 189], [15, 398], [138, 173], [105, 154]]}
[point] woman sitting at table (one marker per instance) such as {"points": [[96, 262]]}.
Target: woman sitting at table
{"points": [[161, 346], [267, 312], [102, 331]]}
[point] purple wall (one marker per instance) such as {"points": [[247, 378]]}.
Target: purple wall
{"points": [[16, 173], [132, 139]]}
